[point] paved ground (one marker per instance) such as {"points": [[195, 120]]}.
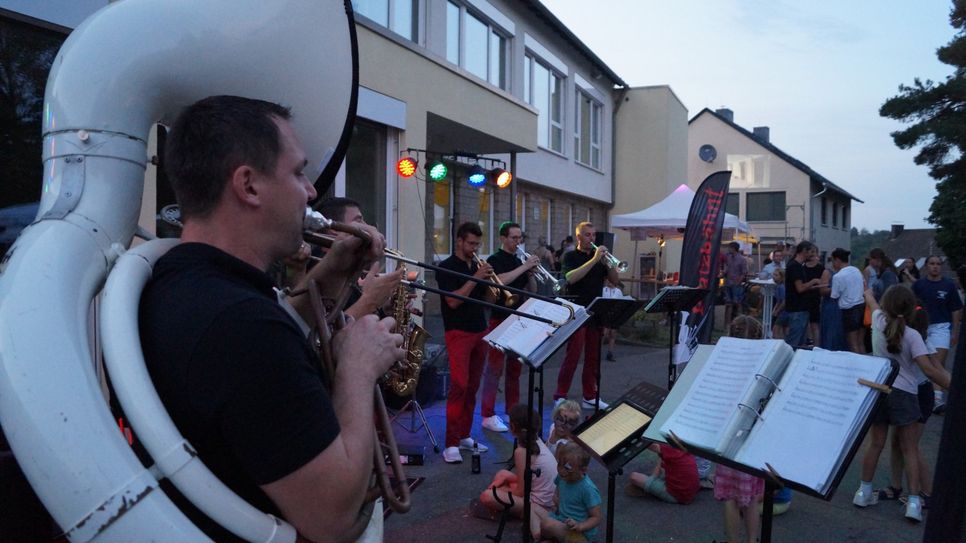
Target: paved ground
{"points": [[440, 511]]}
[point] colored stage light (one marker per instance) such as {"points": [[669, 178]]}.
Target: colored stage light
{"points": [[477, 176], [437, 171], [501, 177], [407, 166]]}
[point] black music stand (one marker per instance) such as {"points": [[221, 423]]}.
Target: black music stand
{"points": [[534, 362], [672, 300], [609, 313], [615, 450]]}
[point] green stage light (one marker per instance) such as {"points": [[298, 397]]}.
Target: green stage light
{"points": [[438, 171]]}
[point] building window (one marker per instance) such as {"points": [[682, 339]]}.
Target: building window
{"points": [[750, 171], [366, 171], [476, 45], [587, 130], [824, 211], [543, 90], [835, 215], [520, 213], [731, 204], [765, 206], [400, 16], [442, 218], [845, 217]]}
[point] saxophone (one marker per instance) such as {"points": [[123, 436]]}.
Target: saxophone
{"points": [[402, 378]]}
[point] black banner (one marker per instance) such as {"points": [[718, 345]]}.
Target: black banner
{"points": [[699, 261]]}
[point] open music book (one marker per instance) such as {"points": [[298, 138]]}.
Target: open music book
{"points": [[757, 402], [534, 341]]}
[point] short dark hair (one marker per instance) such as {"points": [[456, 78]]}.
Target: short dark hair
{"points": [[803, 246], [735, 245], [468, 228], [334, 207], [841, 254], [506, 226], [213, 137]]}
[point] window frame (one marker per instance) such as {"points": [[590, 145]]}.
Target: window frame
{"points": [[501, 72], [391, 17], [555, 80], [596, 109], [736, 201], [751, 211]]}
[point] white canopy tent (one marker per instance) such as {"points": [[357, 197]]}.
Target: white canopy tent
{"points": [[668, 218]]}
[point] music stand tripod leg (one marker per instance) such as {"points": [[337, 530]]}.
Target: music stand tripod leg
{"points": [[418, 409]]}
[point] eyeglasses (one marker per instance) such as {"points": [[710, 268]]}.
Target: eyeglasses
{"points": [[569, 422], [515, 238]]}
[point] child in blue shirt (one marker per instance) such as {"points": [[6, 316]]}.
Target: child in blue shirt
{"points": [[578, 500]]}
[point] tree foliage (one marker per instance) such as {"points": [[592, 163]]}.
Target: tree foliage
{"points": [[936, 113]]}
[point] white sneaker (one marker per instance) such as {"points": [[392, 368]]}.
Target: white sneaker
{"points": [[451, 455], [495, 424], [864, 499], [591, 404], [466, 444], [914, 511]]}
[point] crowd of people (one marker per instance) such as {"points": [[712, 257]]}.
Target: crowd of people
{"points": [[241, 380], [888, 309]]}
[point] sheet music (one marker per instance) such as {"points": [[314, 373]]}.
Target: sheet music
{"points": [[706, 414], [808, 424], [614, 427], [522, 335]]}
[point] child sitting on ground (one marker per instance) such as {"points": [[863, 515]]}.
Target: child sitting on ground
{"points": [[578, 500], [543, 466], [674, 479], [566, 417], [740, 491]]}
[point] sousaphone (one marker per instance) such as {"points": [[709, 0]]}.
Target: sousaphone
{"points": [[133, 64]]}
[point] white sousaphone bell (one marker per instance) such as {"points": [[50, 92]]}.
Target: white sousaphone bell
{"points": [[131, 65]]}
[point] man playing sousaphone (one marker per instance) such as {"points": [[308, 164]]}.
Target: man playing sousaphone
{"points": [[233, 369]]}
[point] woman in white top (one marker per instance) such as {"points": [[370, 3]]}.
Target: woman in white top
{"points": [[894, 338]]}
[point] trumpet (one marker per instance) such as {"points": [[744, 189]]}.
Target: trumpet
{"points": [[509, 298], [541, 273], [315, 221], [612, 261]]}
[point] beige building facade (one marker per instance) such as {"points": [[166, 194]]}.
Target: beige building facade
{"points": [[781, 198]]}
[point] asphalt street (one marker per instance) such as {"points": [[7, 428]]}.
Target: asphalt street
{"points": [[440, 513]]}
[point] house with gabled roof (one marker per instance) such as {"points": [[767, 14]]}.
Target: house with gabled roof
{"points": [[782, 198]]}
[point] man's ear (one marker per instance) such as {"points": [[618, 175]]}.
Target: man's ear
{"points": [[244, 187]]}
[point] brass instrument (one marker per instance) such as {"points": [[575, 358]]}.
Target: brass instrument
{"points": [[329, 319], [541, 273], [612, 261], [509, 299], [313, 219], [404, 376]]}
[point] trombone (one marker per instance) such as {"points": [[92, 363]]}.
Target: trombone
{"points": [[612, 261]]}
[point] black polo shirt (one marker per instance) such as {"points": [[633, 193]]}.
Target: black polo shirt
{"points": [[795, 301], [468, 317], [503, 262], [234, 371], [590, 285]]}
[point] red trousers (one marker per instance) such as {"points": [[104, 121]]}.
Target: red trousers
{"points": [[467, 352], [586, 340], [492, 374]]}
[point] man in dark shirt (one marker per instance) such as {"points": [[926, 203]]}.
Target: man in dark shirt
{"points": [[940, 298], [796, 285], [465, 326], [584, 270], [514, 273], [232, 367]]}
